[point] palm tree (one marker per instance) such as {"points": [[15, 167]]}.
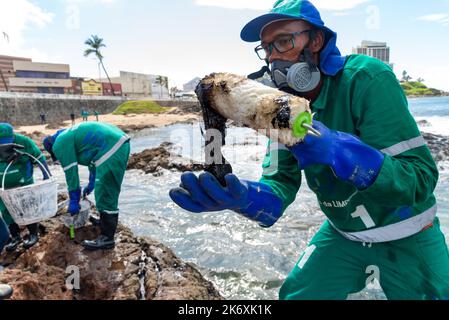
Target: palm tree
{"points": [[95, 43], [405, 76], [162, 82]]}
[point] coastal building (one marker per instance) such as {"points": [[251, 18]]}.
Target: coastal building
{"points": [[40, 77], [7, 72], [91, 88], [378, 50], [134, 84], [140, 85], [76, 86], [107, 89]]}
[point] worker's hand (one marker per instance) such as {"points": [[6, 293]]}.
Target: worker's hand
{"points": [[91, 185], [350, 159], [8, 152], [74, 204], [253, 200]]}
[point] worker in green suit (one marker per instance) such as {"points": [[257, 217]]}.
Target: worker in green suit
{"points": [[104, 149], [371, 169], [13, 149]]}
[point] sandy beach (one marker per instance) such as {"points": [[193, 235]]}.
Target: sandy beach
{"points": [[133, 122]]}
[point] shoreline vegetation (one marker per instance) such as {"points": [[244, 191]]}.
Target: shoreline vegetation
{"points": [[140, 107], [416, 89]]}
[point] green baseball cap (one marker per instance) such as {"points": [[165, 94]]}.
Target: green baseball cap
{"points": [[6, 133], [331, 60], [284, 10]]}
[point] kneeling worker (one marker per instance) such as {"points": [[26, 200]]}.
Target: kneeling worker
{"points": [[19, 174], [105, 149]]}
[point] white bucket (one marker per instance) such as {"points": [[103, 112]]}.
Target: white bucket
{"points": [[33, 203], [79, 220]]}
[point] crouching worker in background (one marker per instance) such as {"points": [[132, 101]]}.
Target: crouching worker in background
{"points": [[13, 148], [105, 149]]}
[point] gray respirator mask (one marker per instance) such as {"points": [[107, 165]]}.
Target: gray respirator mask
{"points": [[303, 76]]}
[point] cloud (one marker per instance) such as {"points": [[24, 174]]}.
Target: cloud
{"points": [[441, 18], [90, 1], [15, 18], [265, 5]]}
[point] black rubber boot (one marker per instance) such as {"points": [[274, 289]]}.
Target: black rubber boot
{"points": [[108, 226], [14, 239], [33, 237], [5, 291], [95, 221]]}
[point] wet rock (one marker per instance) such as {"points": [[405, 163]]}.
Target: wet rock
{"points": [[130, 128], [438, 145], [188, 121], [155, 159], [423, 123], [193, 108], [50, 269]]}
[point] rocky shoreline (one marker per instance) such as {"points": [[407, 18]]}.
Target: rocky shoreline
{"points": [[138, 268], [155, 159], [438, 145]]}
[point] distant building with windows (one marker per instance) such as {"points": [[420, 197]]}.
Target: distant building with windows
{"points": [[41, 77], [378, 50], [7, 72]]}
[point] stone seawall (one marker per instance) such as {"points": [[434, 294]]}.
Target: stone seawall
{"points": [[25, 109]]}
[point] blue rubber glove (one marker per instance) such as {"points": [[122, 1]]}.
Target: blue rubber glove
{"points": [[44, 170], [255, 201], [350, 159], [90, 187], [74, 204]]}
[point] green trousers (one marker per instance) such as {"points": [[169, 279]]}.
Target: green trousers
{"points": [[332, 267], [109, 178]]}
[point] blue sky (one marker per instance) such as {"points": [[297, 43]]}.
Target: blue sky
{"points": [[183, 39]]}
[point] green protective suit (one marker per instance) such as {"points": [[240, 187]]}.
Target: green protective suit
{"points": [[382, 225], [102, 147], [21, 172]]}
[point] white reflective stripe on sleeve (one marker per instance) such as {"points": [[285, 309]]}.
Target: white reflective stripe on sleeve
{"points": [[392, 232], [111, 212], [40, 156], [405, 146], [277, 146], [70, 166], [113, 150], [307, 253]]}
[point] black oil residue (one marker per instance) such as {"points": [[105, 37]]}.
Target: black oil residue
{"points": [[216, 164]]}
